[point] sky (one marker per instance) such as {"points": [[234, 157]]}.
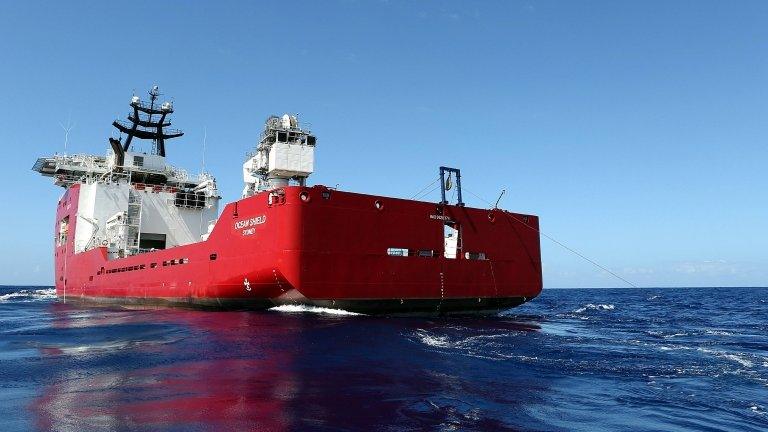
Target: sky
{"points": [[636, 131]]}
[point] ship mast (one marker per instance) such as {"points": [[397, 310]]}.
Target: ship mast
{"points": [[143, 124], [147, 120]]}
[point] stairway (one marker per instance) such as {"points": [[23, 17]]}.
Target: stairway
{"points": [[133, 222]]}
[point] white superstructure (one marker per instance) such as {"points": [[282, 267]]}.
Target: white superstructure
{"points": [[285, 152], [132, 202]]}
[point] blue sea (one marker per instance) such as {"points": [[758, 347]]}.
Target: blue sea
{"points": [[571, 360]]}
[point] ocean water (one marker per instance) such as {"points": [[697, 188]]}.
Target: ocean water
{"points": [[571, 360]]}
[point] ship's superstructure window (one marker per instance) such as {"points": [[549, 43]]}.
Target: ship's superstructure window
{"points": [[190, 199], [138, 161]]}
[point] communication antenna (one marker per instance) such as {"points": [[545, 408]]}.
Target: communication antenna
{"points": [[495, 206], [67, 129], [205, 138]]}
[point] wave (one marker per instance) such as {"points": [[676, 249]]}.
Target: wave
{"points": [[719, 333], [435, 341], [744, 359], [29, 295], [665, 335], [484, 346], [311, 309], [740, 358], [669, 335], [590, 306]]}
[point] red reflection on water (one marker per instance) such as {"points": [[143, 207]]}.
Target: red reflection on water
{"points": [[249, 392]]}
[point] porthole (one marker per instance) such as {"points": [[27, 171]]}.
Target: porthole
{"points": [[378, 204], [304, 196]]}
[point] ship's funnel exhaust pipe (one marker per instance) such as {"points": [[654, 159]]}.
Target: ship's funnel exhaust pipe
{"points": [[119, 152]]}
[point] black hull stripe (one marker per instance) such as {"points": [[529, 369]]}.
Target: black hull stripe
{"points": [[366, 306]]}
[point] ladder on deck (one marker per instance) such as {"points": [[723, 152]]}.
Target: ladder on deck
{"points": [[133, 222]]}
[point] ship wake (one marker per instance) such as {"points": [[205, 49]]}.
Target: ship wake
{"points": [[29, 295], [311, 309]]}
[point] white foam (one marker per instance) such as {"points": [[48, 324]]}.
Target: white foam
{"points": [[670, 336], [478, 346], [742, 361], [311, 309], [591, 306], [673, 348], [733, 357], [435, 341], [719, 333], [30, 295]]}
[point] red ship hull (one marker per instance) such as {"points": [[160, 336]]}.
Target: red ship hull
{"points": [[321, 247]]}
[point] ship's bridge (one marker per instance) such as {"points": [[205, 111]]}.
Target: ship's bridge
{"points": [[285, 153]]}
